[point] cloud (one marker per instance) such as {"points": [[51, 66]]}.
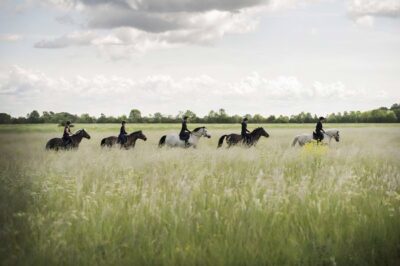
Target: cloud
{"points": [[72, 39], [129, 26], [386, 8], [10, 37], [367, 21], [363, 12], [24, 89], [122, 42]]}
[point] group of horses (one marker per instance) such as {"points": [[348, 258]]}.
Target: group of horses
{"points": [[173, 140]]}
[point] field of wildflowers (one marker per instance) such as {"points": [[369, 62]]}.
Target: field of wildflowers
{"points": [[268, 205]]}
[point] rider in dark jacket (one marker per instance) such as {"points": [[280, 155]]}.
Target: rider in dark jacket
{"points": [[67, 133], [122, 138], [184, 134], [318, 129], [245, 131]]}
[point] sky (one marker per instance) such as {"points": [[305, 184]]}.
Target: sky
{"points": [[245, 56]]}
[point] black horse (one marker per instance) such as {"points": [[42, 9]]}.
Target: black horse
{"points": [[130, 142], [234, 139], [59, 144]]}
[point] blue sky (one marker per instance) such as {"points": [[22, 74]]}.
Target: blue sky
{"points": [[246, 56]]}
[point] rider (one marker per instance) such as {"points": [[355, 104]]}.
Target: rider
{"points": [[122, 134], [245, 131], [318, 129], [185, 132], [67, 133]]}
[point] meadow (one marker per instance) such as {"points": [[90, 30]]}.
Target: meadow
{"points": [[268, 205]]}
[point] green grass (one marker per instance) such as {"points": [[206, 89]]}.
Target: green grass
{"points": [[269, 205]]}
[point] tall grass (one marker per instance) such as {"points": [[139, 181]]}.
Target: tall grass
{"points": [[270, 205]]}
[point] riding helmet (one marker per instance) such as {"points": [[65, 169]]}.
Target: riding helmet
{"points": [[185, 117], [321, 118], [245, 119], [123, 122], [68, 122]]}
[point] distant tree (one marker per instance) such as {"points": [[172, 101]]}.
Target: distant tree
{"points": [[135, 116], [102, 118], [5, 118], [396, 109], [157, 117], [257, 118], [271, 119], [33, 117], [191, 115], [86, 118]]}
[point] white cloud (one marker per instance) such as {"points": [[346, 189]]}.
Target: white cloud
{"points": [[129, 26], [364, 12], [367, 21], [23, 89], [121, 42], [10, 37], [72, 39], [359, 8]]}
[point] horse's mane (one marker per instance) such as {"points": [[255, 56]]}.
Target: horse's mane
{"points": [[332, 130], [78, 132], [197, 129], [136, 132], [258, 129]]}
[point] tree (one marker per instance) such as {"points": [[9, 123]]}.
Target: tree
{"points": [[135, 116], [5, 118], [86, 118], [158, 117], [191, 115], [396, 109], [33, 117]]}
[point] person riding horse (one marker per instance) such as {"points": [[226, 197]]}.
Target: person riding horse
{"points": [[245, 131], [67, 133], [184, 134], [122, 137], [319, 136]]}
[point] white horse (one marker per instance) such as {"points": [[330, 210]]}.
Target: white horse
{"points": [[305, 138], [173, 140]]}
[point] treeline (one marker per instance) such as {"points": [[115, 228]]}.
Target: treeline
{"points": [[380, 115]]}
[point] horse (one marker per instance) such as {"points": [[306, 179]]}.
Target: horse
{"points": [[173, 140], [130, 142], [234, 139], [58, 143], [305, 138]]}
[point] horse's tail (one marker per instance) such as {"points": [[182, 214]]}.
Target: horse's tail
{"points": [[103, 142], [221, 141], [48, 145], [162, 141], [294, 141]]}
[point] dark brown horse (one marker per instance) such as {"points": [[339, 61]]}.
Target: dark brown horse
{"points": [[58, 143], [234, 139], [130, 142]]}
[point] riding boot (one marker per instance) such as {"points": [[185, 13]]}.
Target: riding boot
{"points": [[187, 143]]}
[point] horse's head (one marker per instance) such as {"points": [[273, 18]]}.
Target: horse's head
{"points": [[141, 136], [261, 131], [337, 136], [201, 131], [333, 133], [83, 133]]}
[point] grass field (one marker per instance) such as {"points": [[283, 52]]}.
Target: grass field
{"points": [[269, 205]]}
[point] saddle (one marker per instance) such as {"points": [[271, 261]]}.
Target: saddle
{"points": [[318, 137], [184, 136], [315, 136]]}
